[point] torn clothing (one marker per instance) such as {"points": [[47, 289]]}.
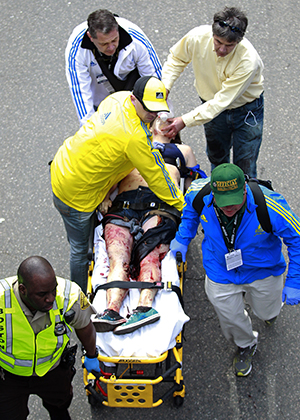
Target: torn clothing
{"points": [[133, 219], [163, 233]]}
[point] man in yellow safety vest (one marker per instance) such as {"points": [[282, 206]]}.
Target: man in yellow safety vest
{"points": [[38, 312]]}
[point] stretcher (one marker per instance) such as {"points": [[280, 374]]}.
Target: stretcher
{"points": [[144, 368]]}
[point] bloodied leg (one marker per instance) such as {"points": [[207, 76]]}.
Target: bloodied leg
{"points": [[150, 266], [119, 243]]}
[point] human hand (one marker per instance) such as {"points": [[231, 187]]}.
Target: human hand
{"points": [[91, 363], [104, 206], [176, 246], [291, 295], [170, 130], [158, 145]]}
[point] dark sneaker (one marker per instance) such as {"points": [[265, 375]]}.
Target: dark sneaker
{"points": [[107, 321], [141, 316], [271, 321], [242, 360]]}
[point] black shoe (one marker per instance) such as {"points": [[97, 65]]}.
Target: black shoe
{"points": [[271, 321], [242, 360]]}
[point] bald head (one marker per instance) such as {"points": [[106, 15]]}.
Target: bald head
{"points": [[37, 283], [32, 268]]}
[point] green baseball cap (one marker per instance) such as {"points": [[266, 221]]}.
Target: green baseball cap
{"points": [[227, 184]]}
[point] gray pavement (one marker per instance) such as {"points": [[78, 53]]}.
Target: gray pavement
{"points": [[38, 114]]}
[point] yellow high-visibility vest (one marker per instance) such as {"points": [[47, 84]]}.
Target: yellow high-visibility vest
{"points": [[21, 351]]}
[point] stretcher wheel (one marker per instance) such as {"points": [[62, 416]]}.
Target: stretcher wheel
{"points": [[178, 401]]}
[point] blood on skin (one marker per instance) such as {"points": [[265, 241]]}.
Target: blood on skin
{"points": [[150, 271], [119, 243], [150, 266]]}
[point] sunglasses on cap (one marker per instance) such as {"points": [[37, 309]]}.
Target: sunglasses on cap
{"points": [[224, 24]]}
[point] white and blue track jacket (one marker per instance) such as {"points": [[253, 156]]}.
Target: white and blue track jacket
{"points": [[87, 83], [261, 251]]}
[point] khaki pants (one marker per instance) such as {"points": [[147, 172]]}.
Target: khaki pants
{"points": [[264, 296]]}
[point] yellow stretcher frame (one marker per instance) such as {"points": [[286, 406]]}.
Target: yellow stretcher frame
{"points": [[135, 392]]}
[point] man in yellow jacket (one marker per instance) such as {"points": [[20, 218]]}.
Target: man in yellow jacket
{"points": [[112, 142], [38, 312]]}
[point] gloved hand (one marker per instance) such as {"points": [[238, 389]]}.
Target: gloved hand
{"points": [[290, 295], [91, 363], [176, 246], [197, 169]]}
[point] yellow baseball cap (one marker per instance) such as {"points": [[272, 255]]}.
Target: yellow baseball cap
{"points": [[151, 92]]}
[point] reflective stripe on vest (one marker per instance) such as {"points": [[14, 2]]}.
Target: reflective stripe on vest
{"points": [[8, 355], [8, 320], [8, 330]]}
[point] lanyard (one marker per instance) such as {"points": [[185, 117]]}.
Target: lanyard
{"points": [[229, 242]]}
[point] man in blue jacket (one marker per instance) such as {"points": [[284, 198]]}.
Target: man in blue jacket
{"points": [[242, 260]]}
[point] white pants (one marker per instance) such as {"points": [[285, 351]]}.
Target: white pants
{"points": [[264, 296]]}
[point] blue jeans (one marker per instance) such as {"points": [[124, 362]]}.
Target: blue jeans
{"points": [[78, 227], [240, 128]]}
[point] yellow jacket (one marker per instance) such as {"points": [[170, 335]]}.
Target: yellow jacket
{"points": [[223, 82], [21, 351], [106, 149]]}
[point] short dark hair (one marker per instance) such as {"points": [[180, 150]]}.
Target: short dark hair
{"points": [[231, 24], [101, 20]]}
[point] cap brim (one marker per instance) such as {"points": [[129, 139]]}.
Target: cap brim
{"points": [[156, 106], [229, 199]]}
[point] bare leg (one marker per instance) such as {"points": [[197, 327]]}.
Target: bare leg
{"points": [[150, 266], [150, 270], [119, 243]]}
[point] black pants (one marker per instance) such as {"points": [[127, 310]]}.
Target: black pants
{"points": [[55, 389]]}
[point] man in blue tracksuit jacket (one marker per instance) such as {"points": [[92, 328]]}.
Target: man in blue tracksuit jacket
{"points": [[240, 258]]}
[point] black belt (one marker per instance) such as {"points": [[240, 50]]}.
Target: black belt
{"points": [[145, 206]]}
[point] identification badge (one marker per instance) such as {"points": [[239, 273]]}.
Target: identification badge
{"points": [[102, 80], [60, 328], [233, 259]]}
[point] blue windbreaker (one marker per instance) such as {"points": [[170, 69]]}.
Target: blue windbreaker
{"points": [[261, 251]]}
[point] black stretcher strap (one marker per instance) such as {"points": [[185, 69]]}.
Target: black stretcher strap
{"points": [[141, 285]]}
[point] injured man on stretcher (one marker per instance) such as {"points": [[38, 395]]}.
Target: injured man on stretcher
{"points": [[138, 228]]}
